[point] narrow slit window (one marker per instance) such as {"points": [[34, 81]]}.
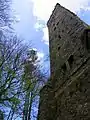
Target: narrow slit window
{"points": [[59, 48], [59, 36], [85, 38], [70, 61], [64, 68], [57, 23], [62, 30], [54, 28], [88, 39]]}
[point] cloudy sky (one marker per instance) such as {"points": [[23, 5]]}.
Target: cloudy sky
{"points": [[33, 15]]}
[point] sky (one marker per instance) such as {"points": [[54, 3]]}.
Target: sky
{"points": [[32, 17]]}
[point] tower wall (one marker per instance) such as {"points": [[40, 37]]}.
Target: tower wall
{"points": [[69, 44], [65, 30]]}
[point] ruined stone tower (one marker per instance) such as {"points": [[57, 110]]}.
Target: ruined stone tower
{"points": [[66, 96]]}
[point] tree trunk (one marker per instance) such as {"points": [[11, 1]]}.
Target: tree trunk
{"points": [[9, 115], [26, 107], [12, 115], [30, 106], [1, 115]]}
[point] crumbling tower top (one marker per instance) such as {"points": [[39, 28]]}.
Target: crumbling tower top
{"points": [[65, 30], [60, 9]]}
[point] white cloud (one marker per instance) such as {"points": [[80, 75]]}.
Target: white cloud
{"points": [[38, 26], [45, 37], [43, 9], [35, 49], [40, 55], [17, 18]]}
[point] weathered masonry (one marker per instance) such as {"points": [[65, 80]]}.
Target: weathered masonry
{"points": [[66, 96]]}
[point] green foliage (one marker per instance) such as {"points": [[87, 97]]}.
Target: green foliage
{"points": [[15, 101]]}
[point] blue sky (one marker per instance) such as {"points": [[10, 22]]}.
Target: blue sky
{"points": [[33, 15]]}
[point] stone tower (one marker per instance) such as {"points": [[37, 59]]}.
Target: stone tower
{"points": [[67, 94]]}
